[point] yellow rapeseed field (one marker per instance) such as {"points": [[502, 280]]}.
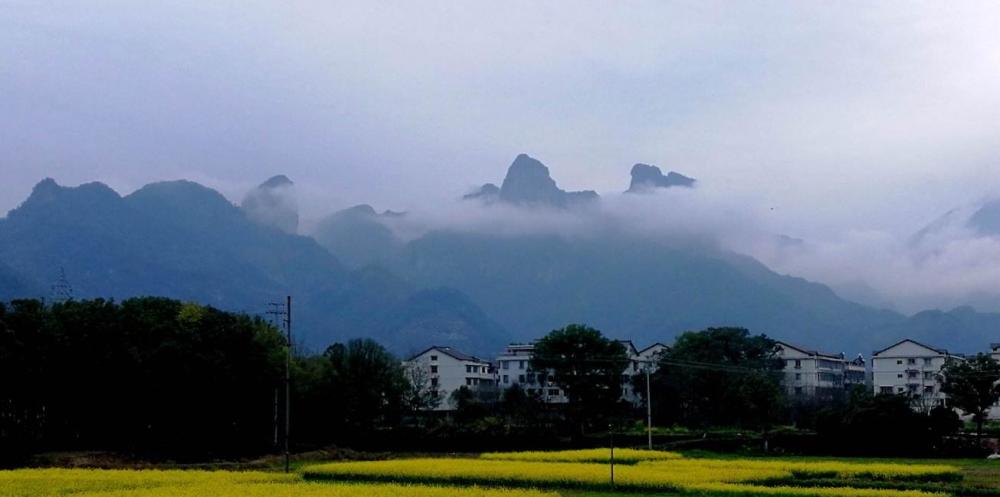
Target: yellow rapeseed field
{"points": [[155, 483], [698, 475], [484, 477], [830, 469], [37, 482], [624, 456]]}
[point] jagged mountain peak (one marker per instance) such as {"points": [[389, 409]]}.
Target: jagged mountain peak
{"points": [[528, 182], [276, 182], [273, 204], [487, 193], [647, 178], [76, 200]]}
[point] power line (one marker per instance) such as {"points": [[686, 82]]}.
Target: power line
{"points": [[283, 313]]}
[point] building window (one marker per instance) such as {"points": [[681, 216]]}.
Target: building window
{"points": [[928, 361], [505, 364], [798, 390], [520, 364], [899, 375], [798, 376], [928, 375], [434, 357], [899, 361], [520, 378], [911, 374], [506, 379], [929, 389], [884, 389], [798, 364], [434, 382], [468, 382], [434, 368], [531, 378], [911, 361], [553, 391]]}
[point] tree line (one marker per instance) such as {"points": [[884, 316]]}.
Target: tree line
{"points": [[158, 377]]}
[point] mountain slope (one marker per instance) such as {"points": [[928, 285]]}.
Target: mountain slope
{"points": [[357, 236], [639, 289], [182, 240]]}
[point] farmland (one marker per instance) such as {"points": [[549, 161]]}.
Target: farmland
{"points": [[531, 474]]}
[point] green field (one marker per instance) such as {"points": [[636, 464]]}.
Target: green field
{"points": [[534, 474]]}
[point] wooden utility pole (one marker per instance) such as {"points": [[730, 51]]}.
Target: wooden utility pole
{"points": [[288, 375]]}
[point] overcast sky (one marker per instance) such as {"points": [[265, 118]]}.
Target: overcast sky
{"points": [[838, 115]]}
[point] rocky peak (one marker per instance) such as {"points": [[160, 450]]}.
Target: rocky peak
{"points": [[277, 182], [528, 182], [487, 193], [647, 178], [274, 204]]}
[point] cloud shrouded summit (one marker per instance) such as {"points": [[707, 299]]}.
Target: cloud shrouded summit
{"points": [[274, 204], [528, 182], [646, 178]]}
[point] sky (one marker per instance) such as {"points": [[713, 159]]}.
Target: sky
{"points": [[827, 121]]}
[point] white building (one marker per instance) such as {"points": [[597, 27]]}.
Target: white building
{"points": [[446, 370], [514, 368], [913, 369], [639, 362], [856, 372], [812, 374]]}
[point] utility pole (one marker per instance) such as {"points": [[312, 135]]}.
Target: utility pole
{"points": [[649, 411], [284, 312], [288, 374], [611, 433]]}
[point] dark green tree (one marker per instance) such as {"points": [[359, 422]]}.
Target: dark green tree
{"points": [[589, 369], [972, 386], [718, 376], [368, 383], [151, 376], [519, 408]]}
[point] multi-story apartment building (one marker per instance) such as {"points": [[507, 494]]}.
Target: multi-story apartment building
{"points": [[514, 368], [913, 369], [816, 375], [856, 372], [445, 370]]}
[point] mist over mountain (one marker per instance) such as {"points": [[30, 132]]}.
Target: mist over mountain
{"points": [[643, 271], [358, 235], [472, 275], [274, 204], [986, 220]]}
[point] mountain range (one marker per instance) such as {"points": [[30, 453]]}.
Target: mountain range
{"points": [[471, 289]]}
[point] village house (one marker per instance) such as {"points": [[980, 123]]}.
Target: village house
{"points": [[913, 369], [445, 369], [809, 374]]}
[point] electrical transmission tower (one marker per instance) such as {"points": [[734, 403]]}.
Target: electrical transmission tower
{"points": [[281, 312], [61, 290]]}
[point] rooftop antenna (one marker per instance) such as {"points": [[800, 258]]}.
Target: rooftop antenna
{"points": [[61, 290]]}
